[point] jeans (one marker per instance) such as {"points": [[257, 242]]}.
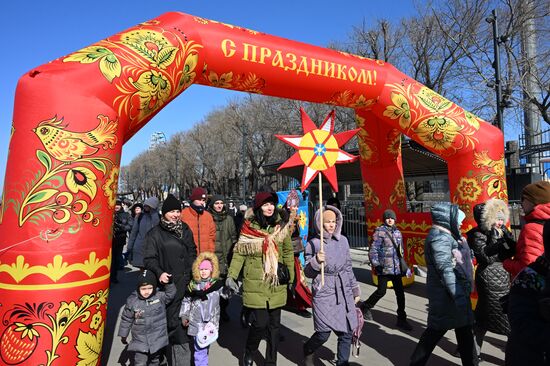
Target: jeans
{"points": [[381, 291], [343, 348], [264, 322], [430, 338]]}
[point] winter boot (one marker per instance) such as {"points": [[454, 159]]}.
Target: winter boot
{"points": [[403, 324]]}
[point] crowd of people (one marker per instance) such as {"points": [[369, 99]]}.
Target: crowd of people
{"points": [[192, 260]]}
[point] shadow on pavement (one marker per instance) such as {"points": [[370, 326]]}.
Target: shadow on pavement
{"points": [[118, 293]]}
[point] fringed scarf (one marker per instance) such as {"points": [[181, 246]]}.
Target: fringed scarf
{"points": [[176, 228], [252, 241]]}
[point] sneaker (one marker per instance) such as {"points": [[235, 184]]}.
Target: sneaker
{"points": [[367, 314], [404, 324]]}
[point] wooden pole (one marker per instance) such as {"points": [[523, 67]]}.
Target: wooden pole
{"points": [[321, 224]]}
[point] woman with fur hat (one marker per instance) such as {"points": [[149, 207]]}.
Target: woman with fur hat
{"points": [[385, 256], [334, 302], [169, 253], [263, 247], [200, 308], [535, 201], [492, 280]]}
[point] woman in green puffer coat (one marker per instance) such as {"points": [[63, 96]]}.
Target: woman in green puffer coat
{"points": [[264, 244]]}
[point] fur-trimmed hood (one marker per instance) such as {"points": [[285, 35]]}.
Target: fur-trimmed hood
{"points": [[490, 211], [215, 265]]}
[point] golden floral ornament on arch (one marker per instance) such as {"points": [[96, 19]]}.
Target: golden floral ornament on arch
{"points": [[151, 45], [399, 110], [394, 145], [431, 100], [222, 81], [81, 179], [472, 119], [415, 250], [369, 195], [468, 189], [398, 194], [349, 99], [88, 345], [438, 132], [110, 187], [189, 73], [108, 62], [250, 82]]}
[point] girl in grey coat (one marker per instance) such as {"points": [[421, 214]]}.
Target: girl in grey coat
{"points": [[333, 303], [449, 284], [145, 316]]}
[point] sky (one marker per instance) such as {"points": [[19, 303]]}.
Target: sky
{"points": [[36, 32]]}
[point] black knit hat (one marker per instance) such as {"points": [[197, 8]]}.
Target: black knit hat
{"points": [[147, 278], [170, 203], [389, 214]]}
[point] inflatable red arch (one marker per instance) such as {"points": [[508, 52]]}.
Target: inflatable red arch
{"points": [[73, 115]]}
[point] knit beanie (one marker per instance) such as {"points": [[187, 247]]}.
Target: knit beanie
{"points": [[206, 264], [537, 193], [147, 278], [264, 197], [118, 203], [170, 203], [217, 197], [389, 214], [197, 193]]}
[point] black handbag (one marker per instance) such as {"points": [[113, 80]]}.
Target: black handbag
{"points": [[283, 274]]}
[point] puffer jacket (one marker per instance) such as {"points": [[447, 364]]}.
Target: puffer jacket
{"points": [[201, 303], [258, 294], [530, 335], [448, 288], [492, 280], [382, 253], [203, 228], [333, 304], [164, 252], [226, 237], [146, 319], [530, 245]]}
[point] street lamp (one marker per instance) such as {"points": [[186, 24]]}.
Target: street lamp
{"points": [[497, 40]]}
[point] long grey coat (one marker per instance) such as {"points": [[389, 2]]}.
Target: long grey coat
{"points": [[141, 226], [146, 319], [448, 290], [333, 304]]}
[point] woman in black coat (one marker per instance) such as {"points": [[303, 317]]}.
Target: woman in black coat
{"points": [[169, 253], [492, 280]]}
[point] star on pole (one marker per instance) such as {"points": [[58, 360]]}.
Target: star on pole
{"points": [[319, 150]]}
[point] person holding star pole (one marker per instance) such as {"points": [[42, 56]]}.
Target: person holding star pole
{"points": [[334, 303]]}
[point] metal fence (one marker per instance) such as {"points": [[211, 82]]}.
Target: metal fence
{"points": [[355, 223]]}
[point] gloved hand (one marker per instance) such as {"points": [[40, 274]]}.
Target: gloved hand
{"points": [[232, 285], [292, 289], [123, 340]]}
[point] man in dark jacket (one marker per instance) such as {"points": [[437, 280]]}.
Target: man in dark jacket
{"points": [[122, 224]]}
